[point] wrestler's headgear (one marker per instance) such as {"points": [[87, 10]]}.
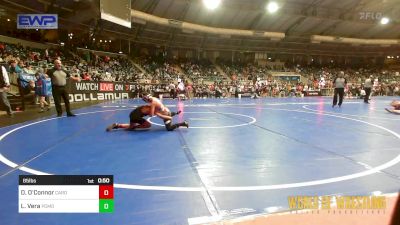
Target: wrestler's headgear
{"points": [[146, 97]]}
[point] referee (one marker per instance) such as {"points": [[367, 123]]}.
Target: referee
{"points": [[368, 88], [59, 81], [339, 84]]}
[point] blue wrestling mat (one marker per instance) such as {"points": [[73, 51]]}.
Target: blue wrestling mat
{"points": [[238, 157]]}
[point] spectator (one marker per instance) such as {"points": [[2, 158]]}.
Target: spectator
{"points": [[28, 69], [86, 76], [42, 90], [14, 68], [4, 86]]}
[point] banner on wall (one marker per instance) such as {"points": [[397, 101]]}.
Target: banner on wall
{"points": [[93, 90], [312, 93]]}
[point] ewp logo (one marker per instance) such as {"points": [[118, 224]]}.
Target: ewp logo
{"points": [[37, 21]]}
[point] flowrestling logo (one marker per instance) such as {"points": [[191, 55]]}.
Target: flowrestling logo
{"points": [[37, 21]]}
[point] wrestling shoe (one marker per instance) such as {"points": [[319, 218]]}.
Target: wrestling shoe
{"points": [[175, 113], [112, 126]]}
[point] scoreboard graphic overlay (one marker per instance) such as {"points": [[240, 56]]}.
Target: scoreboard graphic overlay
{"points": [[66, 194]]}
